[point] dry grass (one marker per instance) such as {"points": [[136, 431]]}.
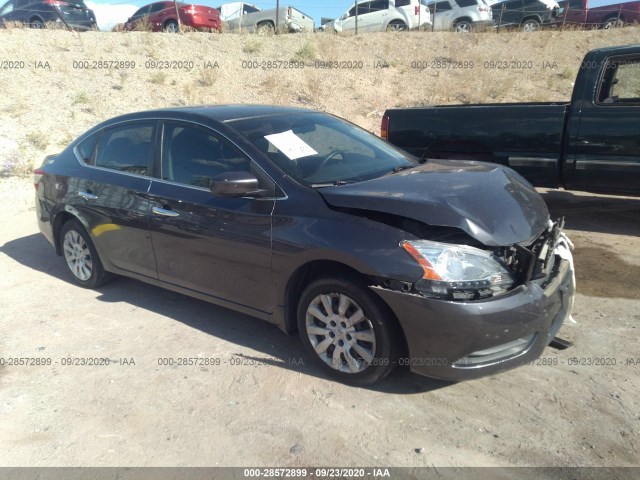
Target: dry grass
{"points": [[65, 101]]}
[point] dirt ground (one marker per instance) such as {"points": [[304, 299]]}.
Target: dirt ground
{"points": [[264, 405]]}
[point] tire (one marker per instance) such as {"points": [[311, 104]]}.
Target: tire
{"points": [[612, 22], [365, 361], [463, 26], [265, 28], [530, 25], [36, 24], [81, 257], [396, 26], [172, 27]]}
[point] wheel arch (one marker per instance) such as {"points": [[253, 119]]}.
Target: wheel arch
{"points": [[265, 22], [531, 17], [169, 20], [59, 220], [462, 19], [314, 269]]}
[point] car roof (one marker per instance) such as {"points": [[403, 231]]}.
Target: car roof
{"points": [[219, 113]]}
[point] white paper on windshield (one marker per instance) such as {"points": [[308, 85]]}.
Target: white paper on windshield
{"points": [[290, 144]]}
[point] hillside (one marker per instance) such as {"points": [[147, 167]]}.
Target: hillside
{"points": [[50, 96]]}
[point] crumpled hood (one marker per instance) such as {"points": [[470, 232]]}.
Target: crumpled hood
{"points": [[492, 203]]}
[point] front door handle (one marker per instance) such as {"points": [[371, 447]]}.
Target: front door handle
{"points": [[87, 195], [164, 212]]}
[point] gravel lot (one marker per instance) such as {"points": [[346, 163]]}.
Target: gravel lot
{"points": [[263, 405]]}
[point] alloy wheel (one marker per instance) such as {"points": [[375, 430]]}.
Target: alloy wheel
{"points": [[77, 255], [340, 333]]}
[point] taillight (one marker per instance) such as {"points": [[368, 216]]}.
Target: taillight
{"points": [[289, 12], [191, 10], [482, 8], [37, 175], [384, 128], [55, 3]]}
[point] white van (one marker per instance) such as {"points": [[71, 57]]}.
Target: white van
{"points": [[383, 15]]}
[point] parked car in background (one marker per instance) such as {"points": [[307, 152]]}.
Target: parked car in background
{"points": [[383, 15], [38, 13], [453, 269], [578, 12], [589, 143], [529, 15], [460, 15], [162, 16], [243, 16]]}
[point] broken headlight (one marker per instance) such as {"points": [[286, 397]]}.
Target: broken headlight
{"points": [[457, 272]]}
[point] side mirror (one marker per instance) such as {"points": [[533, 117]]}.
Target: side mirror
{"points": [[234, 184]]}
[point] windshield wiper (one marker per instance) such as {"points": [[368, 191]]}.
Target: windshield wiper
{"points": [[401, 168], [337, 183]]}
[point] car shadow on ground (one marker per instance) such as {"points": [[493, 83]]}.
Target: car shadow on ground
{"points": [[595, 213], [277, 348]]}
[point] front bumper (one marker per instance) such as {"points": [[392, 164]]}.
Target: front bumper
{"points": [[457, 341]]}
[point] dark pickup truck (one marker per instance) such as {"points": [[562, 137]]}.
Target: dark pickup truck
{"points": [[591, 143]]}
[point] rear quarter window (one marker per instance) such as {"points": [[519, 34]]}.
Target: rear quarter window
{"points": [[84, 150]]}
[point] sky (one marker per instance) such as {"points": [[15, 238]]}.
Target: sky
{"points": [[110, 12]]}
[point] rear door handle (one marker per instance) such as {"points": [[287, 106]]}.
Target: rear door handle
{"points": [[87, 195], [164, 212]]}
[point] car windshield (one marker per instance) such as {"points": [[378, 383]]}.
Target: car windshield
{"points": [[318, 149]]}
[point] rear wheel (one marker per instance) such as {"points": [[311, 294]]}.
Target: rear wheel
{"points": [[396, 26], [463, 26], [612, 22], [347, 331], [265, 28], [171, 27], [531, 25], [36, 23], [81, 257]]}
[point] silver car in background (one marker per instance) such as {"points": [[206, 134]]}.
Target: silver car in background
{"points": [[460, 15]]}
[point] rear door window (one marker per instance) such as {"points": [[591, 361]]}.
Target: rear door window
{"points": [[193, 155], [126, 148]]}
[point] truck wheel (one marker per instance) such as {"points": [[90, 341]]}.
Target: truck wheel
{"points": [[612, 22], [531, 25], [265, 28], [463, 26], [347, 331], [171, 27], [396, 26]]}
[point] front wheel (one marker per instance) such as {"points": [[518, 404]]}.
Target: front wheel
{"points": [[81, 257], [347, 331], [613, 22], [172, 27], [531, 25], [265, 29]]}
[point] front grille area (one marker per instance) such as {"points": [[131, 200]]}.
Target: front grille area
{"points": [[536, 260], [496, 354]]}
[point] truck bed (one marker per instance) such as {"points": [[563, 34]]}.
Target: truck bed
{"points": [[524, 136]]}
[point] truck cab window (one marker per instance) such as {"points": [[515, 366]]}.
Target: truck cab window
{"points": [[621, 82]]}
